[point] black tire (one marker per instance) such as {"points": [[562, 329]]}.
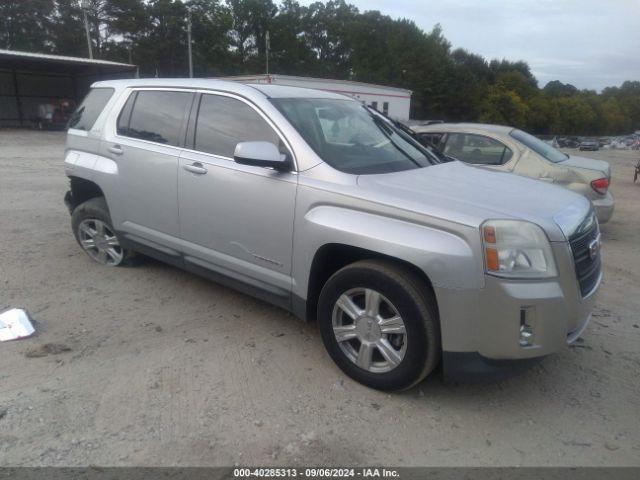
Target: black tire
{"points": [[96, 208], [414, 302]]}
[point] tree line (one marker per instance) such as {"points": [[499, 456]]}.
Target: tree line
{"points": [[325, 39]]}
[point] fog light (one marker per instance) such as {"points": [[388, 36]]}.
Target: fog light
{"points": [[526, 330]]}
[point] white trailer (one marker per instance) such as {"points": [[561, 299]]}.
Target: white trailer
{"points": [[392, 101]]}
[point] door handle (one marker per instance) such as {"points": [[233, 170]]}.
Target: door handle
{"points": [[196, 168], [116, 149], [546, 179]]}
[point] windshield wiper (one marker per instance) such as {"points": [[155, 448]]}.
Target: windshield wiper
{"points": [[388, 131], [431, 154]]}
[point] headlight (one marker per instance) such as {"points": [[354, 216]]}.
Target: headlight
{"points": [[517, 249]]}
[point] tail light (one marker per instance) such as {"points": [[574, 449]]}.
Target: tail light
{"points": [[600, 185]]}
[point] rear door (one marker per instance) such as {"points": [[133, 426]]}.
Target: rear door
{"points": [[146, 145], [235, 219]]}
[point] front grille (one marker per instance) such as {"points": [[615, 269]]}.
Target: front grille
{"points": [[587, 265]]}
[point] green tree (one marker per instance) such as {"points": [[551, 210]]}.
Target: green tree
{"points": [[326, 29], [468, 86], [330, 39], [25, 24], [162, 46], [250, 22], [517, 82], [613, 118], [115, 27], [211, 22], [290, 53], [67, 33], [628, 96], [543, 115], [504, 107], [556, 88], [576, 115]]}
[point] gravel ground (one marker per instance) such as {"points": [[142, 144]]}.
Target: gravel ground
{"points": [[165, 368]]}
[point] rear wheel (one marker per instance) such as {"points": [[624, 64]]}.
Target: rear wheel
{"points": [[379, 324], [92, 228]]}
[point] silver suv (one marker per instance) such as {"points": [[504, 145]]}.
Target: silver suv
{"points": [[312, 202]]}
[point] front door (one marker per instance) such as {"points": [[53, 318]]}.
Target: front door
{"points": [[235, 220]]}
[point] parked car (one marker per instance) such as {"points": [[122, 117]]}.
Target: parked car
{"points": [[308, 200], [568, 142], [507, 149], [590, 144]]}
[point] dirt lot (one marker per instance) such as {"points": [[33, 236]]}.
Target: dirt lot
{"points": [[168, 369]]}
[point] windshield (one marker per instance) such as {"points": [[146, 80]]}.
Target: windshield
{"points": [[541, 148], [349, 138]]}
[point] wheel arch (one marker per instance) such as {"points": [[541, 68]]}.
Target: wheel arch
{"points": [[331, 257], [82, 190]]}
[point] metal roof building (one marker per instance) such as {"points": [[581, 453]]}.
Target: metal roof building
{"points": [[27, 80], [392, 101]]}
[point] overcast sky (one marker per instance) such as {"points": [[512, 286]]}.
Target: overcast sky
{"points": [[588, 43]]}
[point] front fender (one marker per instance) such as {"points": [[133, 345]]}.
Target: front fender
{"points": [[446, 256]]}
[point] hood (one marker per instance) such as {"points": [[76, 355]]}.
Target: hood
{"points": [[470, 195], [589, 164]]}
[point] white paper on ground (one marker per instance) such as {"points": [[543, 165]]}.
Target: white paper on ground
{"points": [[15, 323]]}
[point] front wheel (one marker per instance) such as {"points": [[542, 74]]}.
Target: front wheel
{"points": [[379, 323], [92, 228]]}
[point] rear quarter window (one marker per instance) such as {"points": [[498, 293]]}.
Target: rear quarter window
{"points": [[89, 110]]}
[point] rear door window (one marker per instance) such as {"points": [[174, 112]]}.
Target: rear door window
{"points": [[223, 122], [155, 116], [477, 149], [89, 110]]}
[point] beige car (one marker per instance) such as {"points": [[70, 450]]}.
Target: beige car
{"points": [[508, 149]]}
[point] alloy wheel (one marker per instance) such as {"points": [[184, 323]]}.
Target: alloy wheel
{"points": [[100, 242], [369, 330]]}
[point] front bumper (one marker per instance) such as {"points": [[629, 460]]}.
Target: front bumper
{"points": [[471, 367], [482, 338], [604, 207]]}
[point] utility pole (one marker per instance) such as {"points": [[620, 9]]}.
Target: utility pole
{"points": [[266, 44], [189, 42], [84, 5]]}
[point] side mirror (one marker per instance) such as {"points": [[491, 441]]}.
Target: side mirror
{"points": [[260, 154]]}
